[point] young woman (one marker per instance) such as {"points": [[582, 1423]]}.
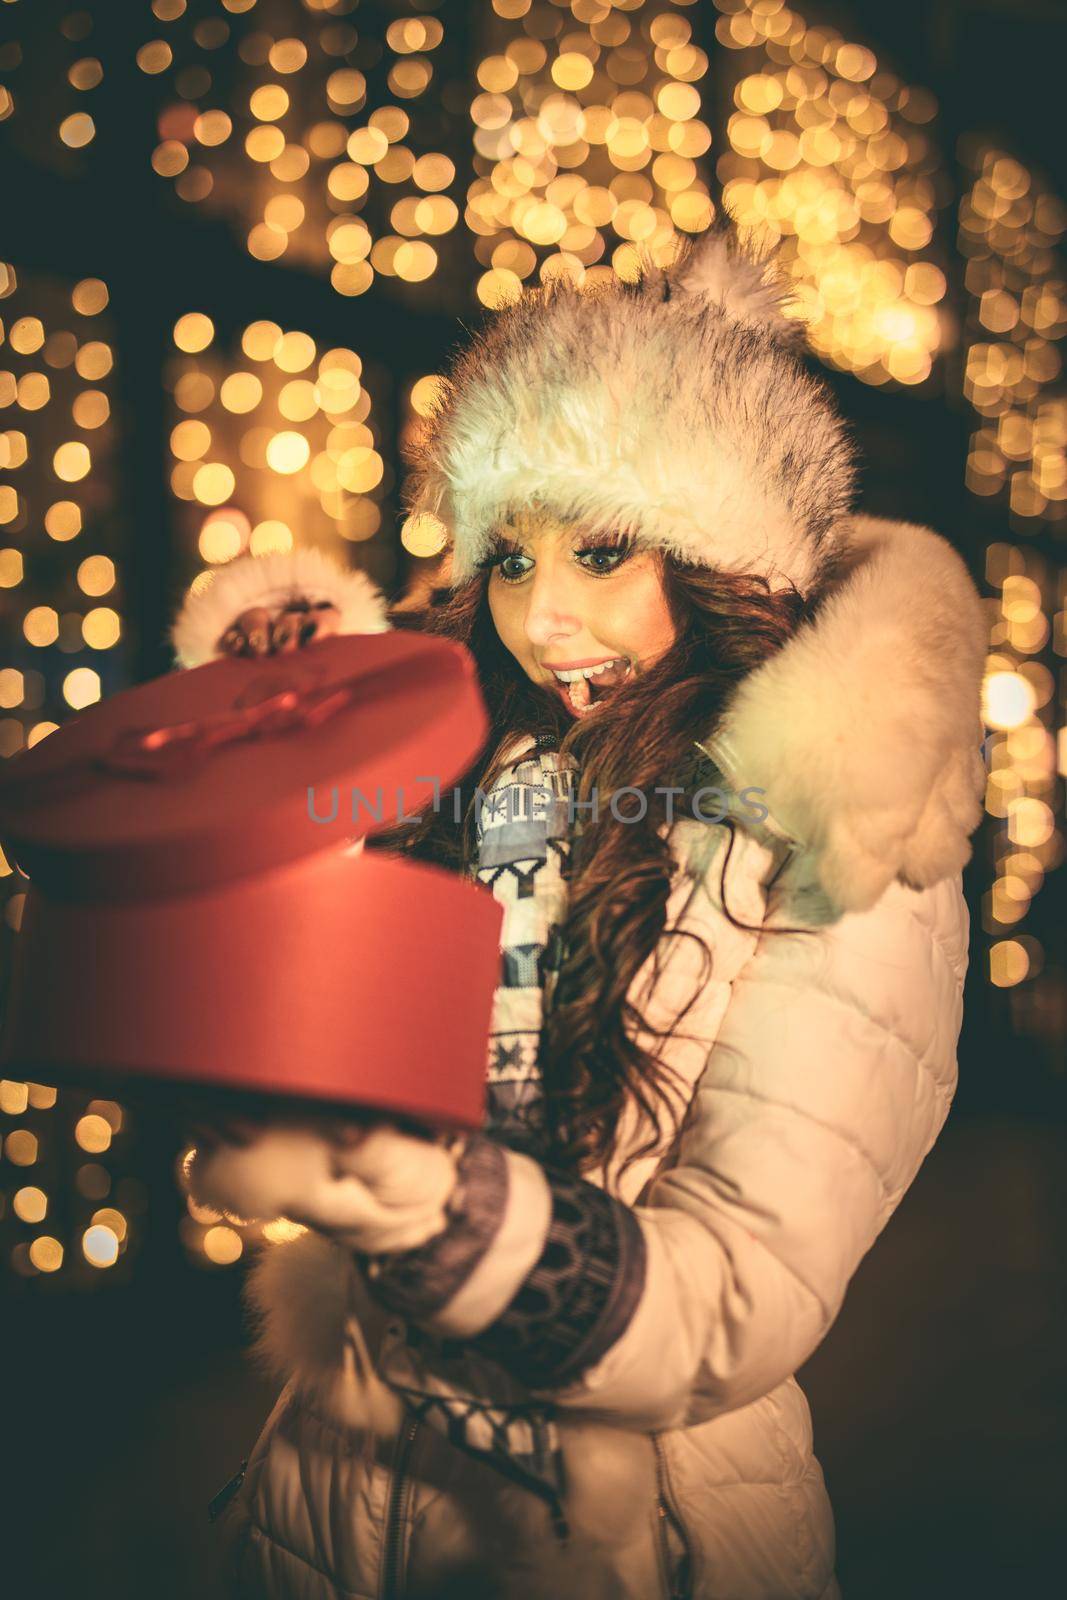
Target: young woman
{"points": [[557, 1359]]}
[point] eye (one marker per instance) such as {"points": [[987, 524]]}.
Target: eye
{"points": [[507, 571], [607, 557], [500, 561]]}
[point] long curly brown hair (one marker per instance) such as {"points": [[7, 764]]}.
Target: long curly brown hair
{"points": [[644, 736]]}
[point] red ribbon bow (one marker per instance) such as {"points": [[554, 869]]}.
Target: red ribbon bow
{"points": [[158, 753]]}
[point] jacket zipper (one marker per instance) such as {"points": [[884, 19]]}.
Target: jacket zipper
{"points": [[666, 1513], [394, 1522]]}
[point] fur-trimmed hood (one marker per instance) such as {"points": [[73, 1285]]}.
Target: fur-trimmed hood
{"points": [[675, 408], [864, 730]]}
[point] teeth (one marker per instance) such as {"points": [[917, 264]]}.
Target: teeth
{"points": [[586, 672], [578, 684]]}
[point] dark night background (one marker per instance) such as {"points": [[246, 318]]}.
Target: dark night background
{"points": [[938, 1398]]}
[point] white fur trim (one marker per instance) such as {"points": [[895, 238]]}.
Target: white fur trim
{"points": [[317, 1328], [299, 1291], [271, 580], [864, 729]]}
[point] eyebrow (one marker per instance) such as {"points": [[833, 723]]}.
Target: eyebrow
{"points": [[592, 538], [501, 543]]}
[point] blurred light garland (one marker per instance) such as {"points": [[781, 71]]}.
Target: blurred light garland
{"points": [[586, 138], [275, 439], [55, 122], [56, 441], [282, 135], [56, 1226], [59, 563], [1009, 228], [828, 153]]}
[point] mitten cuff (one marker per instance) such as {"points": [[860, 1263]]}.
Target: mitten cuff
{"points": [[464, 1277], [272, 580]]}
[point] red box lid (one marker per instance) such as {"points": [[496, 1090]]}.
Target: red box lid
{"points": [[201, 777]]}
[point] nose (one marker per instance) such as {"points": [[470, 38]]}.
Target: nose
{"points": [[550, 607]]}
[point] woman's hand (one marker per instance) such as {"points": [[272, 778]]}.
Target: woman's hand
{"points": [[376, 1189], [265, 631]]}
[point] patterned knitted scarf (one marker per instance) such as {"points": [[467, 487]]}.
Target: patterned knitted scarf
{"points": [[524, 849]]}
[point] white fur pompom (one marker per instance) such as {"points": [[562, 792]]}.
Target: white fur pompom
{"points": [[722, 269]]}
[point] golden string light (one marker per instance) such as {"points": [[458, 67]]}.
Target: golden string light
{"points": [[276, 438], [82, 1237], [829, 154], [55, 441], [55, 447], [586, 137], [1009, 228], [300, 152], [65, 112], [422, 534]]}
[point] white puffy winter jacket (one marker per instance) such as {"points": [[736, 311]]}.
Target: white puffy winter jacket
{"points": [[821, 1065]]}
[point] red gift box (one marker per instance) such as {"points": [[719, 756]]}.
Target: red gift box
{"points": [[201, 908]]}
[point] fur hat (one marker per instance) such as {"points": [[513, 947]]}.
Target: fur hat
{"points": [[675, 408]]}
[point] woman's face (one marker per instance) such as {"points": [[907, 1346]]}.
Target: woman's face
{"points": [[564, 601]]}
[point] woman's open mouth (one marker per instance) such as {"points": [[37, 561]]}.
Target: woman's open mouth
{"points": [[582, 689]]}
